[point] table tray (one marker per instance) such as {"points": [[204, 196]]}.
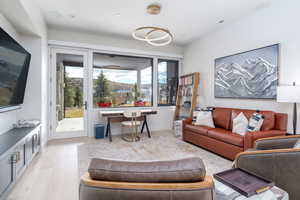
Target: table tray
{"points": [[244, 182]]}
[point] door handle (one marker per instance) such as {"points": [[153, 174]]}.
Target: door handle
{"points": [[85, 105]]}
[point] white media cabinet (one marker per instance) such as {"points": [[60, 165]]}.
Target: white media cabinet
{"points": [[17, 149]]}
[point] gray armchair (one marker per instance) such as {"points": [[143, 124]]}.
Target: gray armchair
{"points": [[275, 159]]}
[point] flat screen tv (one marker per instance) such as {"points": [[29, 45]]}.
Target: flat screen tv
{"points": [[14, 66]]}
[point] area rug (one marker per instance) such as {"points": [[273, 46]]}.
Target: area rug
{"points": [[161, 146]]}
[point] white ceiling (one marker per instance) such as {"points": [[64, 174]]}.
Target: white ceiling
{"points": [[186, 19]]}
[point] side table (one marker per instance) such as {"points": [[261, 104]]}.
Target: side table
{"points": [[223, 192]]}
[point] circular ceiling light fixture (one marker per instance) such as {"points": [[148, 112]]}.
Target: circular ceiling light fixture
{"points": [[155, 36], [153, 9]]}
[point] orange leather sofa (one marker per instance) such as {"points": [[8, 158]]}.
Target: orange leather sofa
{"points": [[223, 141]]}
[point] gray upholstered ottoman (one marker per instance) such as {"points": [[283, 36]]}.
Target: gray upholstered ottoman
{"points": [[163, 180]]}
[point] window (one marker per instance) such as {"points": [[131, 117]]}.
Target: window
{"points": [[167, 82], [122, 81]]}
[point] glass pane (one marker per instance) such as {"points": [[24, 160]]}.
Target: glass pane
{"points": [[69, 93], [167, 82], [122, 81], [146, 86]]}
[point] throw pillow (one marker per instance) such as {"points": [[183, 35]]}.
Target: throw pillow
{"points": [[297, 145], [240, 124], [255, 122], [204, 118], [195, 114]]}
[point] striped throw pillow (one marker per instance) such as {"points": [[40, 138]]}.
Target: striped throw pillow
{"points": [[255, 122]]}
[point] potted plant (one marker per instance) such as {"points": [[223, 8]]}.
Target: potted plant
{"points": [[104, 102], [103, 91], [137, 97]]}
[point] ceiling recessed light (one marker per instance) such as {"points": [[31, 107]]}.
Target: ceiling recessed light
{"points": [[221, 21], [54, 14]]}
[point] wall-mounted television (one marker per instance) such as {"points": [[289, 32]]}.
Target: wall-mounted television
{"points": [[14, 66]]}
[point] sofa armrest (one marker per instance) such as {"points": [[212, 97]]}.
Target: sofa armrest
{"points": [[251, 137], [277, 142], [207, 183], [187, 121], [281, 120]]}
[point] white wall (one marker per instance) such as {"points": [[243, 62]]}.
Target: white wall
{"points": [[37, 104], [31, 31], [274, 24], [109, 40], [31, 108], [8, 118]]}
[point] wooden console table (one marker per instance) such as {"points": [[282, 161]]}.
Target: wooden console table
{"points": [[117, 116]]}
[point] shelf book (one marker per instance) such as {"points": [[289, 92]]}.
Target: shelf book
{"points": [[187, 93]]}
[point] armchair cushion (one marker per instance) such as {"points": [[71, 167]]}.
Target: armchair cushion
{"points": [[184, 170]]}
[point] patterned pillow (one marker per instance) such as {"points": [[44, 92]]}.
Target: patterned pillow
{"points": [[239, 124], [195, 113], [297, 145], [255, 122], [197, 110], [204, 118]]}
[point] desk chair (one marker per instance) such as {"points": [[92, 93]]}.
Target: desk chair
{"points": [[133, 123]]}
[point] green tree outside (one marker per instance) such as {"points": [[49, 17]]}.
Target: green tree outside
{"points": [[136, 93], [69, 93], [78, 97], [102, 89]]}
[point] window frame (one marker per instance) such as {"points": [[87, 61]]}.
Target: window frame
{"points": [[153, 55], [123, 55], [178, 76]]}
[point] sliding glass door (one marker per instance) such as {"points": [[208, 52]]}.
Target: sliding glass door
{"points": [[69, 93]]}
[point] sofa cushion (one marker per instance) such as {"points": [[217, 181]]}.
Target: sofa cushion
{"points": [[184, 170], [222, 117], [226, 136], [198, 129], [269, 117]]}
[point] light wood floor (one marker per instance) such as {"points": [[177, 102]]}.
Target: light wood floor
{"points": [[53, 175]]}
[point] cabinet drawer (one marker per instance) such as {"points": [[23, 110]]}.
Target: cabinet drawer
{"points": [[28, 150], [6, 173], [20, 162]]}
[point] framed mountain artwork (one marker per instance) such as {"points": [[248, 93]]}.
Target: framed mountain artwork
{"points": [[248, 75]]}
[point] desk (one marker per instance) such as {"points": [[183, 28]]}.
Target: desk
{"points": [[117, 116]]}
